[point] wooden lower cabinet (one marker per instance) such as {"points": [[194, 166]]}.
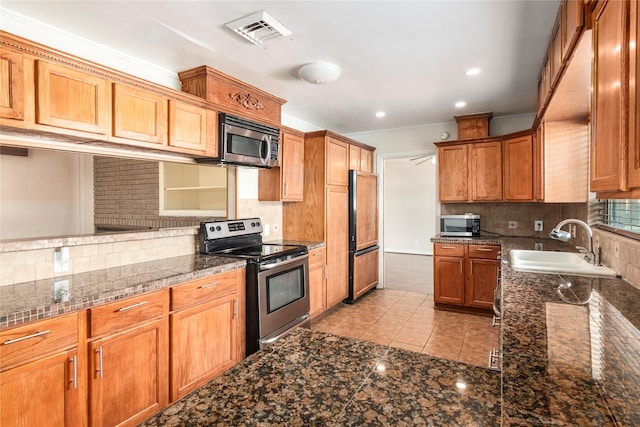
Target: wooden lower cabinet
{"points": [[203, 343], [317, 281], [128, 375], [465, 275], [42, 374], [45, 392]]}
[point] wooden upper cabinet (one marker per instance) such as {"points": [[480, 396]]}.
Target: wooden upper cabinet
{"points": [[609, 121], [285, 183], [11, 85], [634, 97], [292, 167], [555, 49], [337, 162], [139, 114], [573, 22], [452, 173], [70, 99], [366, 160], [192, 129], [354, 157], [485, 167], [518, 174]]}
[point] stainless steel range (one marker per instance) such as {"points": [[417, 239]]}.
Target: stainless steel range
{"points": [[277, 278]]}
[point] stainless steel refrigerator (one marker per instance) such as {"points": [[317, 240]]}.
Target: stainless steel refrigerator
{"points": [[363, 233]]}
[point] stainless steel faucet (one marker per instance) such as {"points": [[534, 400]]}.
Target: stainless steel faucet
{"points": [[565, 236]]}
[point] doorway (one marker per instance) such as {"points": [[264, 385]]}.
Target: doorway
{"points": [[409, 202]]}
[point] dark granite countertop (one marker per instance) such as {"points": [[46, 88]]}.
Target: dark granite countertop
{"points": [[29, 301], [318, 379]]}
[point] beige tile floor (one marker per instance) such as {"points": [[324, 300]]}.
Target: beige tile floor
{"points": [[409, 320]]}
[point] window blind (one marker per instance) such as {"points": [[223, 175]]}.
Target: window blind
{"points": [[619, 215]]}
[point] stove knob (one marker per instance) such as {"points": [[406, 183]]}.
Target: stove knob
{"points": [[257, 224], [218, 228], [253, 224], [212, 229]]}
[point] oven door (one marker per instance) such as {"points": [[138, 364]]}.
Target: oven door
{"points": [[283, 296]]}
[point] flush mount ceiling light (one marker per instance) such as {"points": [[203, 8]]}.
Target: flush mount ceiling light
{"points": [[473, 71], [319, 72], [258, 27]]}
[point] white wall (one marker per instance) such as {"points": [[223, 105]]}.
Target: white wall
{"points": [[409, 206], [48, 193]]}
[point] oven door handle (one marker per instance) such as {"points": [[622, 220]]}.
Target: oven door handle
{"points": [[280, 264]]}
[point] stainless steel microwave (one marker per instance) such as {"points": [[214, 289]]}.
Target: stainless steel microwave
{"points": [[467, 225], [246, 143]]}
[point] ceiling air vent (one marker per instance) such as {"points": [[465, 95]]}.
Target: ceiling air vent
{"points": [[258, 27]]}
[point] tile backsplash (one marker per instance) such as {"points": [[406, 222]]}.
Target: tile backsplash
{"points": [[620, 253]]}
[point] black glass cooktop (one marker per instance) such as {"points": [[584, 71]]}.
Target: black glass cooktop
{"points": [[260, 252]]}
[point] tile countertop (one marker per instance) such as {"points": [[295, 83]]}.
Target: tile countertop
{"points": [[29, 301], [570, 345]]}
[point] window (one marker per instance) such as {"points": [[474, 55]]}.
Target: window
{"points": [[621, 216]]}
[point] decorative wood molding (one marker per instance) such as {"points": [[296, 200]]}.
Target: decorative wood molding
{"points": [[247, 101]]}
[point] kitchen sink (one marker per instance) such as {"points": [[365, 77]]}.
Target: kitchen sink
{"points": [[556, 262]]}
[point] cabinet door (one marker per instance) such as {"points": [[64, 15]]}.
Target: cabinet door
{"points": [[485, 166], [634, 98], [448, 274], [71, 99], [139, 114], [574, 21], [191, 129], [608, 141], [317, 290], [11, 85], [367, 211], [518, 168], [128, 375], [292, 167], [354, 157], [481, 282], [337, 162], [46, 392], [366, 160], [337, 234], [203, 343], [452, 173], [365, 272]]}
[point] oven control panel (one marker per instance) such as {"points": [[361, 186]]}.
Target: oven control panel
{"points": [[232, 228]]}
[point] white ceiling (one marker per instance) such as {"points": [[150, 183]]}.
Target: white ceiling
{"points": [[407, 58]]}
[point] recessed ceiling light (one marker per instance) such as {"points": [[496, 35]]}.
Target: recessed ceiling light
{"points": [[380, 114], [460, 104], [473, 71]]}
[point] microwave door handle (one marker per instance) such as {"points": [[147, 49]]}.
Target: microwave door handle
{"points": [[265, 140]]}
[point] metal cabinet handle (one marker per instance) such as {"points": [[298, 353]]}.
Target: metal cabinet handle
{"points": [[235, 308], [37, 334], [100, 370], [448, 247], [74, 360], [460, 266], [484, 250], [138, 304], [471, 268], [208, 285]]}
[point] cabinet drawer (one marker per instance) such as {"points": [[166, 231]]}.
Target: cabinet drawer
{"points": [[317, 258], [204, 289], [125, 313], [484, 251], [449, 249], [35, 339]]}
